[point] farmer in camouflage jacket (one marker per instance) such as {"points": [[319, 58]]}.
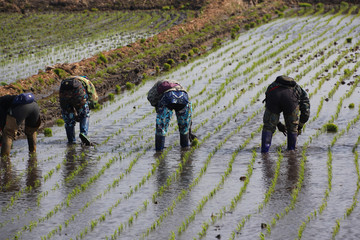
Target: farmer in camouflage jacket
{"points": [[284, 95]]}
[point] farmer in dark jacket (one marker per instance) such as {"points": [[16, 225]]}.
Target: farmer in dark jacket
{"points": [[284, 95], [77, 95], [14, 109], [166, 96]]}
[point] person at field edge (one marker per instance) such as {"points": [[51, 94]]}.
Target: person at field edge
{"points": [[15, 109], [77, 95], [166, 96], [284, 95]]}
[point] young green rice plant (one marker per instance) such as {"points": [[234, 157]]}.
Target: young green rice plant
{"points": [[331, 127], [117, 89], [305, 5], [102, 59], [129, 85], [60, 72], [48, 132], [60, 122], [167, 66], [111, 97], [183, 56]]}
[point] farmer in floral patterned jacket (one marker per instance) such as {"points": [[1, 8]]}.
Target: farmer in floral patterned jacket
{"points": [[284, 95], [166, 96]]}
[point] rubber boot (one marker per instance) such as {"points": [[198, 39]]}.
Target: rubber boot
{"points": [[291, 141], [184, 140], [84, 127], [9, 133], [70, 133], [266, 141], [30, 133], [159, 142]]}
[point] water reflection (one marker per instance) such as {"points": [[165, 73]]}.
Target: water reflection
{"points": [[70, 159], [291, 160], [8, 179], [292, 168], [184, 179], [33, 173], [268, 169]]}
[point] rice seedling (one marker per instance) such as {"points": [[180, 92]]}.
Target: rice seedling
{"points": [[331, 127], [48, 132]]}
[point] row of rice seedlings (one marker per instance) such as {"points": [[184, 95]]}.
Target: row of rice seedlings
{"points": [[83, 187], [107, 189], [229, 79], [49, 174], [141, 23], [350, 209], [296, 190], [168, 181], [205, 225], [267, 197], [275, 70], [153, 225], [323, 205], [201, 173], [45, 177], [268, 194]]}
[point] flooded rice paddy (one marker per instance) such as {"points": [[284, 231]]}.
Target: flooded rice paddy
{"points": [[33, 42], [223, 188]]}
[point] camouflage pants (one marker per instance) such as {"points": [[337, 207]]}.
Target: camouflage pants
{"points": [[271, 119], [164, 115]]}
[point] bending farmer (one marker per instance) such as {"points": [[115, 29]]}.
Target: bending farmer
{"points": [[77, 95], [14, 109], [166, 96], [284, 95]]}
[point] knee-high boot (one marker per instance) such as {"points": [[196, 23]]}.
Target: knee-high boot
{"points": [[84, 127], [184, 140], [70, 133], [266, 138], [159, 142], [291, 141]]}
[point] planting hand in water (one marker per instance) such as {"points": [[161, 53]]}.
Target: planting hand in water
{"points": [[77, 94], [166, 96], [281, 127], [14, 109], [284, 95]]}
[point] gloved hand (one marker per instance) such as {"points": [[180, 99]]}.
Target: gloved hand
{"points": [[282, 128], [300, 126]]}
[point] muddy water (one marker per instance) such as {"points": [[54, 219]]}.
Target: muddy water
{"points": [[224, 188]]}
